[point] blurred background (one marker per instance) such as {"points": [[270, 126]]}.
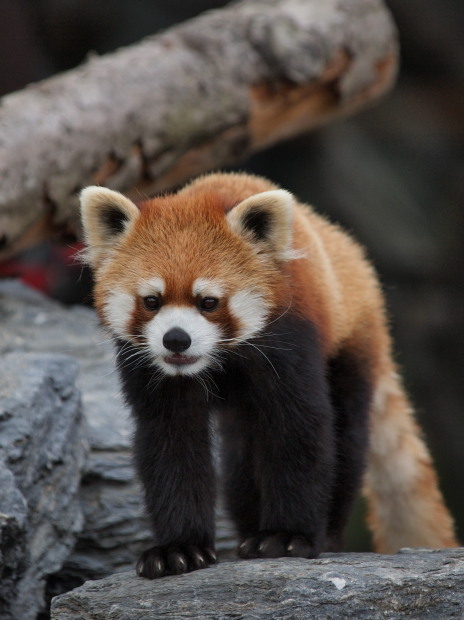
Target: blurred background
{"points": [[392, 175]]}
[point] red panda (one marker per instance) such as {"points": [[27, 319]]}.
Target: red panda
{"points": [[230, 297]]}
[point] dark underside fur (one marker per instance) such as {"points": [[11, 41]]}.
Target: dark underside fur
{"points": [[294, 431]]}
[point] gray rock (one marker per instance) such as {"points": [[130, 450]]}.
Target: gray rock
{"points": [[32, 322], [42, 454], [13, 537], [412, 584], [115, 528]]}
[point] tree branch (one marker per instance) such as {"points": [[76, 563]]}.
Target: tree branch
{"points": [[202, 95]]}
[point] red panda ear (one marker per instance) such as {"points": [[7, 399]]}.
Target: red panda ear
{"points": [[107, 216], [266, 220]]}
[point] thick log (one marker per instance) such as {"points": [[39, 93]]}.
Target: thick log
{"points": [[199, 96]]}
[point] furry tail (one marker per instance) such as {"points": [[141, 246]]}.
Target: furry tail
{"points": [[405, 505]]}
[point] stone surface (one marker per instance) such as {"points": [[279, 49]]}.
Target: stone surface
{"points": [[42, 454], [115, 529], [422, 584], [114, 526], [13, 538]]}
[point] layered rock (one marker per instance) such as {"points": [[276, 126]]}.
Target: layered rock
{"points": [[413, 584], [42, 454], [114, 527]]}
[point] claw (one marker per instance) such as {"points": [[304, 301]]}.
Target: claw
{"points": [[275, 545], [262, 546], [211, 555], [182, 563], [199, 560], [173, 560], [246, 548], [139, 568]]}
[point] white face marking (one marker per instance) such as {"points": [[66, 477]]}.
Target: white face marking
{"points": [[251, 311], [153, 286], [203, 334], [118, 311], [206, 287]]}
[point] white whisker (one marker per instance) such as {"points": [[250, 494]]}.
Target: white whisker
{"points": [[265, 356], [268, 346], [281, 315]]}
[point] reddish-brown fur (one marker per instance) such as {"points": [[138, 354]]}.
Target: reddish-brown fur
{"points": [[165, 235], [334, 286]]}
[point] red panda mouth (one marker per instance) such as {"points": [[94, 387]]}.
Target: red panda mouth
{"points": [[178, 359]]}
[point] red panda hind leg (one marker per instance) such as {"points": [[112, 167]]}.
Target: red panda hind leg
{"points": [[405, 505], [351, 395]]}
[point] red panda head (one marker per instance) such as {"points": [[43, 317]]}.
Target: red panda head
{"points": [[185, 277]]}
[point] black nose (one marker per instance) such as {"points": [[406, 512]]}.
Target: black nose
{"points": [[176, 340]]}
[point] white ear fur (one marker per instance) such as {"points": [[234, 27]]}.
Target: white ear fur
{"points": [[107, 216], [266, 219]]}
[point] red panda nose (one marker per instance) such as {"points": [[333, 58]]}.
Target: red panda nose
{"points": [[176, 340]]}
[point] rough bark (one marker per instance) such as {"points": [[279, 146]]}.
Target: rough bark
{"points": [[199, 96], [412, 584]]}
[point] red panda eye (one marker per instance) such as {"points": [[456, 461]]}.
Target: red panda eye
{"points": [[151, 302], [209, 303]]}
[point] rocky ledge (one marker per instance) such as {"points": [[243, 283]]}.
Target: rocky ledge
{"points": [[411, 584]]}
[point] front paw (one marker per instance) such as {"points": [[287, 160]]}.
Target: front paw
{"points": [[160, 561], [276, 545]]}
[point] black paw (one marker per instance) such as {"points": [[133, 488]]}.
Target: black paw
{"points": [[173, 560], [276, 545]]}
